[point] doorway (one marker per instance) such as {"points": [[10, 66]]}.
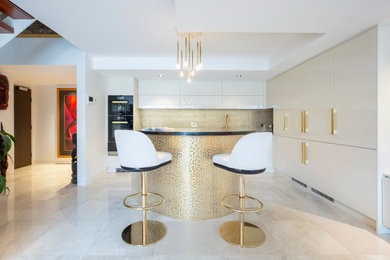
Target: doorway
{"points": [[22, 124]]}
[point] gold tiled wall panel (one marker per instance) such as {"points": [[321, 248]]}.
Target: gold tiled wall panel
{"points": [[191, 185], [206, 119]]}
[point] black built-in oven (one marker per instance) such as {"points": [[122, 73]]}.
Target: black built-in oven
{"points": [[120, 116]]}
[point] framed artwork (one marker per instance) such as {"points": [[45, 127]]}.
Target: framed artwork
{"points": [[66, 120], [4, 92]]}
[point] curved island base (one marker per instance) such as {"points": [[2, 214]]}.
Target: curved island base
{"points": [[191, 185]]}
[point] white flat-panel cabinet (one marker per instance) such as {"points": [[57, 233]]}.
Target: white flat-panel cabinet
{"points": [[320, 167], [354, 178], [294, 89], [341, 163], [159, 87], [157, 101], [243, 102], [243, 88], [281, 121], [355, 94], [201, 101], [319, 97], [290, 158], [202, 88]]}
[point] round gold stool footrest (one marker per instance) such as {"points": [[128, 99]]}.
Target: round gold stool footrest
{"points": [[148, 206], [242, 234], [236, 207], [155, 231]]}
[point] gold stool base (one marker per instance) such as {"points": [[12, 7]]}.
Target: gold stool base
{"points": [[253, 236], [132, 234]]}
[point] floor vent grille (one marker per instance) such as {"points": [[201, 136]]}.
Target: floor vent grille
{"points": [[322, 195], [299, 182]]}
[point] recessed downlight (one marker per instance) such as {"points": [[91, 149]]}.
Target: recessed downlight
{"points": [[161, 75]]}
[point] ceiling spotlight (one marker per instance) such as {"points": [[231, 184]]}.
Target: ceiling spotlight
{"points": [[238, 76], [161, 75]]}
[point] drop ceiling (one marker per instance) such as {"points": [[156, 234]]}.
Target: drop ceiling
{"points": [[255, 38]]}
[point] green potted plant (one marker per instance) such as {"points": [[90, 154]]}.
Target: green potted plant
{"points": [[6, 140]]}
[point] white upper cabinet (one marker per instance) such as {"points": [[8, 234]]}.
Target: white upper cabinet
{"points": [[202, 88], [355, 91], [201, 101], [159, 87], [243, 88], [158, 101], [243, 102], [201, 94], [319, 97]]}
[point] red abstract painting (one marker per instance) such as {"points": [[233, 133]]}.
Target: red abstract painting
{"points": [[70, 120], [67, 120]]}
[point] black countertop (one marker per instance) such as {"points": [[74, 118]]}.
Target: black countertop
{"points": [[196, 131]]}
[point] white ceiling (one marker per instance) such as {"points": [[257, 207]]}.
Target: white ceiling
{"points": [[42, 75], [279, 34]]}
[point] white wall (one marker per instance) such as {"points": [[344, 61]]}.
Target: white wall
{"points": [[383, 114], [93, 127], [57, 51], [44, 124], [7, 116]]}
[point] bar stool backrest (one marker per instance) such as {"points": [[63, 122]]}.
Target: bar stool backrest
{"points": [[252, 152], [135, 149]]}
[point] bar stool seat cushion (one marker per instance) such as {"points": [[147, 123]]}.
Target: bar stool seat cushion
{"points": [[249, 156], [136, 152], [164, 157]]}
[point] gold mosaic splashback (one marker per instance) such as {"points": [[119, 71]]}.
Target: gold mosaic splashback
{"points": [[210, 119]]}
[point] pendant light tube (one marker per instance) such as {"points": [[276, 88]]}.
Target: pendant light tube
{"points": [[185, 62], [189, 49], [177, 55], [197, 55], [181, 65], [192, 62], [200, 54]]}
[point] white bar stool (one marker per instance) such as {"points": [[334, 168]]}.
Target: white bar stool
{"points": [[136, 153], [249, 156]]}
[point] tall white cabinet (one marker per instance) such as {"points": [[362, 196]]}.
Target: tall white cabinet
{"points": [[325, 127]]}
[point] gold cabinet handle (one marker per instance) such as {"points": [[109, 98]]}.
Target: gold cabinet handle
{"points": [[304, 121], [301, 121], [284, 122], [306, 152], [332, 119]]}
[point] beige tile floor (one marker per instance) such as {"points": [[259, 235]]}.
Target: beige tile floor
{"points": [[45, 217]]}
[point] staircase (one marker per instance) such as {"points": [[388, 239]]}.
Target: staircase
{"points": [[13, 20]]}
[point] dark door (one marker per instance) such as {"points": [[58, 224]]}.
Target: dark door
{"points": [[22, 126]]}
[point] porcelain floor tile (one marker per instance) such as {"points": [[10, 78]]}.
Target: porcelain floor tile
{"points": [[53, 219]]}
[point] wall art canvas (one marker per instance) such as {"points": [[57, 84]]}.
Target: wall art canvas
{"points": [[66, 120], [4, 92]]}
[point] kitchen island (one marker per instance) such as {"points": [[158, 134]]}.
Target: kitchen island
{"points": [[191, 185]]}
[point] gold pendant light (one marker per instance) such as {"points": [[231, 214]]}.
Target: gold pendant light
{"points": [[185, 56]]}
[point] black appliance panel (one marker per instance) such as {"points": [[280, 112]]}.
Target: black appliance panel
{"points": [[120, 116], [120, 105]]}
